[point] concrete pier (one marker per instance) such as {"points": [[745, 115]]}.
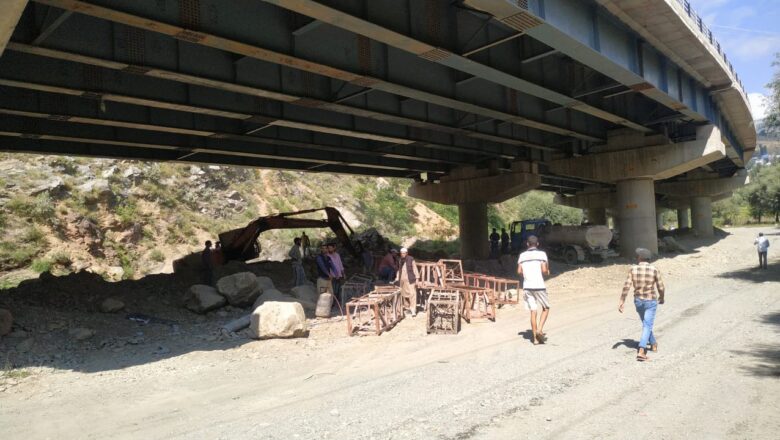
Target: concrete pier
{"points": [[683, 219], [701, 212], [636, 215], [473, 222]]}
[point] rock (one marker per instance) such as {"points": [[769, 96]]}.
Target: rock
{"points": [[237, 324], [81, 333], [276, 319], [306, 293], [234, 195], [111, 305], [230, 268], [241, 289], [202, 298], [100, 188], [115, 273], [52, 186], [25, 346], [108, 172], [265, 283], [6, 322], [274, 295]]}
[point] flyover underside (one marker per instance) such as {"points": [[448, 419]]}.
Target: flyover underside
{"points": [[383, 87]]}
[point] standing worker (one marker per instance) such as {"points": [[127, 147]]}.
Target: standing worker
{"points": [[504, 241], [762, 245], [299, 276], [305, 244], [645, 279], [494, 238], [533, 265], [324, 271], [208, 264], [388, 266], [338, 269], [407, 279]]}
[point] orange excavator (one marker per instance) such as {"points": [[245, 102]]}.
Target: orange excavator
{"points": [[241, 244]]}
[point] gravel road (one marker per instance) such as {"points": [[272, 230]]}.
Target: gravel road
{"points": [[716, 375]]}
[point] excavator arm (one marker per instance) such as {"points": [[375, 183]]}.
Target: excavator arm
{"points": [[241, 244]]}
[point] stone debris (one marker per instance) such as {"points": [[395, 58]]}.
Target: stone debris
{"points": [[237, 324], [81, 333], [241, 289], [276, 319], [111, 305], [265, 283], [6, 322], [202, 298]]}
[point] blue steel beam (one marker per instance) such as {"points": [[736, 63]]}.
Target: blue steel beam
{"points": [[585, 32], [447, 58], [417, 92]]}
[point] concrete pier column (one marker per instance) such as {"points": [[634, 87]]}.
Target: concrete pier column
{"points": [[683, 220], [596, 216], [701, 213], [636, 216], [659, 218], [473, 222]]}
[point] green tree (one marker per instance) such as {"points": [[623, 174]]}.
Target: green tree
{"points": [[772, 119]]}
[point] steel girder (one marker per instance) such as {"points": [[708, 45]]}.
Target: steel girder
{"points": [[422, 49], [587, 33], [314, 110], [335, 56]]}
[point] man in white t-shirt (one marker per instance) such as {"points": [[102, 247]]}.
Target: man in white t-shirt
{"points": [[532, 265]]}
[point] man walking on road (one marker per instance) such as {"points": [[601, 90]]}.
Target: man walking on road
{"points": [[533, 265], [648, 293], [494, 238], [762, 245]]}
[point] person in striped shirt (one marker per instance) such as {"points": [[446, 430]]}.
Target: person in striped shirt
{"points": [[648, 293]]}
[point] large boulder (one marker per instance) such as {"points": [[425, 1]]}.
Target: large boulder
{"points": [[276, 319], [241, 289], [6, 321], [276, 295], [202, 298], [265, 283]]}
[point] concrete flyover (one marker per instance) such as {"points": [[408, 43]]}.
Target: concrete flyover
{"points": [[477, 101]]}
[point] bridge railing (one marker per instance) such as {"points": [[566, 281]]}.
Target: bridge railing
{"points": [[697, 21]]}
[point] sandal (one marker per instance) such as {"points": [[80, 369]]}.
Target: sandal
{"points": [[541, 338], [642, 357], [654, 348]]}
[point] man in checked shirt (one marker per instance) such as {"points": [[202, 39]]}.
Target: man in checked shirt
{"points": [[648, 293]]}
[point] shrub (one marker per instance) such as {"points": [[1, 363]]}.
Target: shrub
{"points": [[157, 256], [127, 212], [61, 258], [41, 265], [39, 208], [33, 235]]}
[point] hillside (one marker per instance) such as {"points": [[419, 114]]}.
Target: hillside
{"points": [[125, 219]]}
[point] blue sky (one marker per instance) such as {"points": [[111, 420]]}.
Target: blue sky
{"points": [[749, 31]]}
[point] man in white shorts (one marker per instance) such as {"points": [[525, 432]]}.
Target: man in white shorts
{"points": [[532, 265]]}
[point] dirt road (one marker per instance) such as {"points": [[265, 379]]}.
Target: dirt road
{"points": [[717, 373]]}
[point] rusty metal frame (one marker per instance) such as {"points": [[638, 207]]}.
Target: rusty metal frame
{"points": [[442, 316], [376, 312]]}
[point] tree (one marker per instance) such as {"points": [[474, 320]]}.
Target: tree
{"points": [[772, 120]]}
